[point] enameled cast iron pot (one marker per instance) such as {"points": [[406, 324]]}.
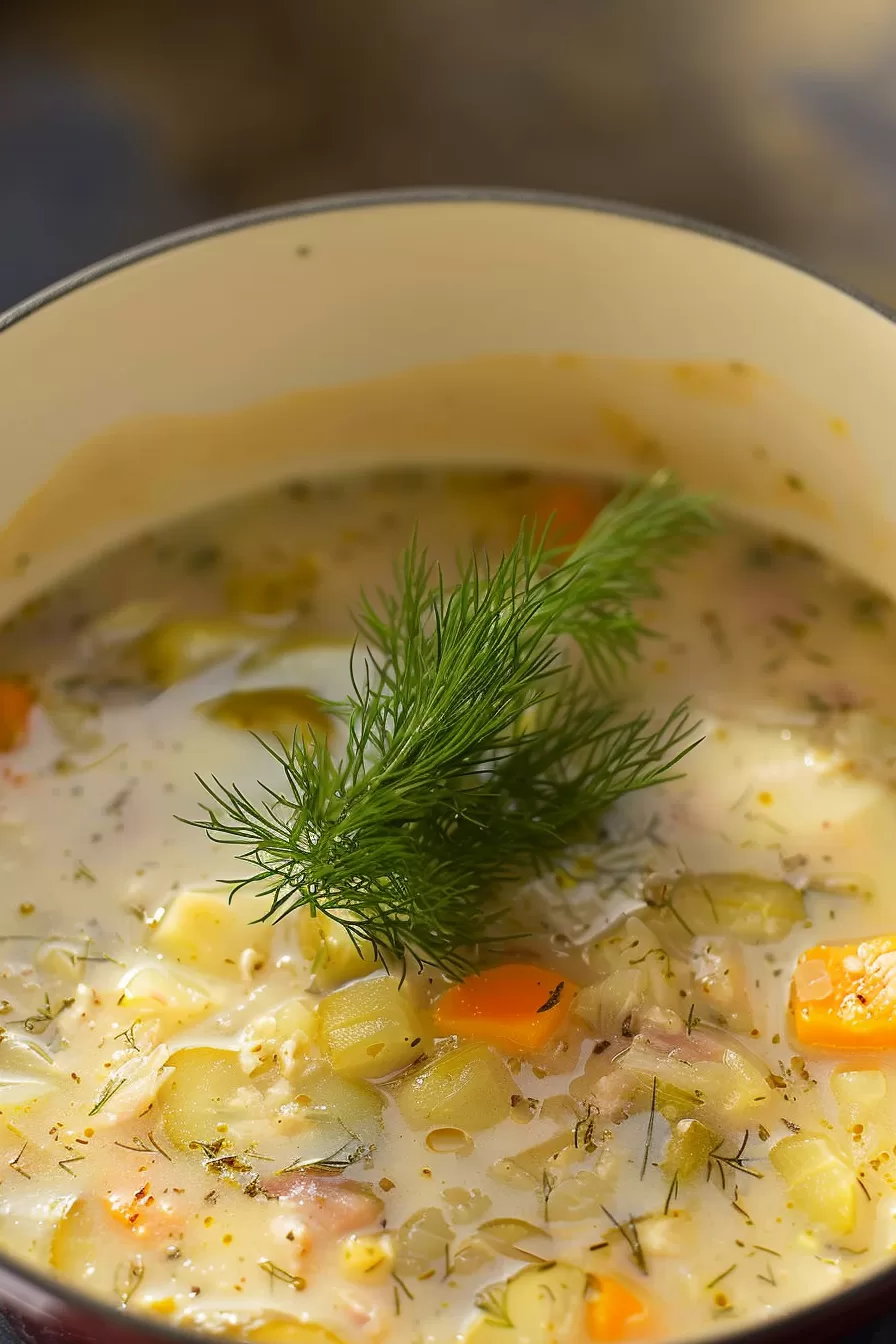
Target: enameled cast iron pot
{"points": [[445, 327]]}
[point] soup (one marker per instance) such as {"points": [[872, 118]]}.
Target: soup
{"points": [[653, 1099]]}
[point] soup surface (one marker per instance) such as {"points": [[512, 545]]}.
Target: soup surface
{"points": [[664, 1112]]}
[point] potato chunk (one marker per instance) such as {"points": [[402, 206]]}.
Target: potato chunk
{"points": [[335, 957], [819, 1181], [201, 929], [541, 1305], [371, 1029], [200, 1094]]}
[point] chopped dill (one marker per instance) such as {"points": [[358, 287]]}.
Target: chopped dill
{"points": [[650, 1124], [275, 1272], [671, 1194], [476, 747], [128, 1278], [17, 1159], [719, 1277], [107, 1094], [492, 1302], [629, 1233]]}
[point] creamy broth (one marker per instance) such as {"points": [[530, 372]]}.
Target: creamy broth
{"points": [[175, 1137]]}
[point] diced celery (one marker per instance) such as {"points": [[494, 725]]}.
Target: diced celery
{"points": [[541, 1305], [179, 649], [198, 1096], [688, 1149], [469, 1087], [372, 1028], [819, 1181], [201, 929], [280, 711], [335, 957], [754, 909]]}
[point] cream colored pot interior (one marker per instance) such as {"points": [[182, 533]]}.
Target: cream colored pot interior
{"points": [[451, 331]]}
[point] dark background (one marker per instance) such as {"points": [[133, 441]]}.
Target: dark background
{"points": [[120, 119]]}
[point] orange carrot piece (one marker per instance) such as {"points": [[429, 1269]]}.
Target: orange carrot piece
{"points": [[615, 1311], [844, 997], [568, 510], [16, 699], [143, 1215], [517, 1007]]}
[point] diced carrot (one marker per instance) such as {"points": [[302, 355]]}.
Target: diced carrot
{"points": [[844, 996], [143, 1215], [16, 699], [518, 1007], [616, 1312], [568, 510]]}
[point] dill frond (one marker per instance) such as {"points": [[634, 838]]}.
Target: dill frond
{"points": [[476, 746]]}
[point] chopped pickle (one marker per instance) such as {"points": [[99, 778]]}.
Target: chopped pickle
{"points": [[198, 1096], [469, 1088], [342, 1109], [269, 592], [280, 711], [753, 909], [371, 1029], [541, 1305], [524, 1170], [819, 1181], [203, 930], [689, 1149], [178, 649], [334, 955], [422, 1241]]}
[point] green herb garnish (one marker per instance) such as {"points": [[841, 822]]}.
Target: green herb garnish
{"points": [[476, 746]]}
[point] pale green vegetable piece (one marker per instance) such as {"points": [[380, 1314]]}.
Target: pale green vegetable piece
{"points": [[179, 649], [201, 1094], [525, 1170], [335, 957], [469, 1087], [372, 1028], [699, 1073], [422, 1241], [689, 1149], [343, 1108], [280, 711], [157, 992], [819, 1181], [580, 1194], [541, 1305], [754, 909]]}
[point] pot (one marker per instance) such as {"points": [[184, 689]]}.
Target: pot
{"points": [[455, 326]]}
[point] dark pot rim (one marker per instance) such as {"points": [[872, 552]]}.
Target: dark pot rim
{"points": [[840, 1311]]}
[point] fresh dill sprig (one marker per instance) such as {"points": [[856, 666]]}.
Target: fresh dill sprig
{"points": [[476, 744]]}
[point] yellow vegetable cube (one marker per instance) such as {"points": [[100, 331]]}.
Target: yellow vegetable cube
{"points": [[468, 1088], [372, 1028], [201, 1093], [820, 1182], [202, 930], [155, 992], [368, 1259], [334, 956]]}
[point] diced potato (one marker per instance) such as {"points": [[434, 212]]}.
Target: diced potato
{"points": [[541, 1305], [282, 1035], [157, 992], [352, 1107], [334, 956], [689, 1148], [77, 1247], [368, 1259], [753, 909], [201, 929], [280, 711], [178, 649], [469, 1088], [720, 981], [859, 1093], [371, 1029], [286, 1330], [422, 1241], [819, 1181], [201, 1094], [268, 592]]}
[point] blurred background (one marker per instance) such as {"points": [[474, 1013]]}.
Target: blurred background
{"points": [[121, 119]]}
